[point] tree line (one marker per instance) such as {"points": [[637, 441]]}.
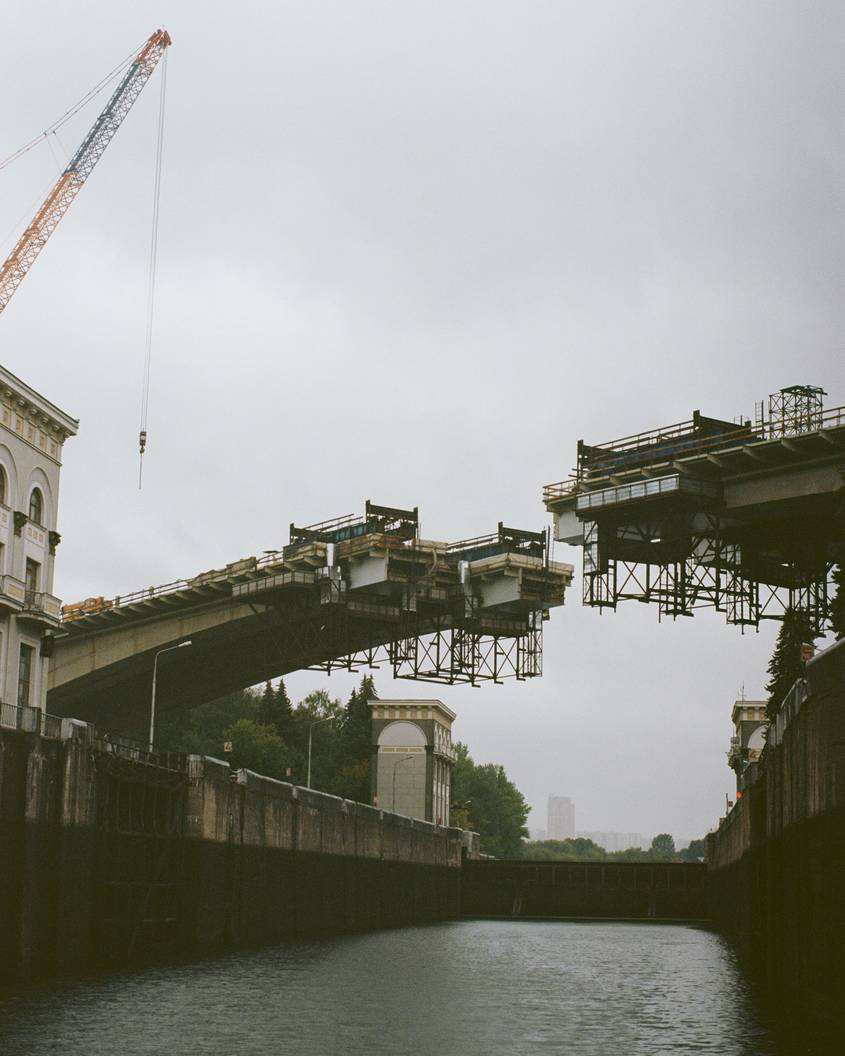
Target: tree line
{"points": [[581, 849], [263, 730]]}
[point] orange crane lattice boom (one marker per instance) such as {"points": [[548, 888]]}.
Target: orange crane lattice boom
{"points": [[69, 184]]}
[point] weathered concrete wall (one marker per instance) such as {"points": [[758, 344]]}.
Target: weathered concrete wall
{"points": [[629, 890], [105, 860], [776, 876]]}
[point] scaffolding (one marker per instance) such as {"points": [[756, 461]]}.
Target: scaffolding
{"points": [[654, 525]]}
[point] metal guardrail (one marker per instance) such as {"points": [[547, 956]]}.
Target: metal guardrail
{"points": [[34, 720], [833, 418], [673, 483], [29, 720]]}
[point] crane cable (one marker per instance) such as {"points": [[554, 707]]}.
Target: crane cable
{"points": [[68, 114], [145, 389]]}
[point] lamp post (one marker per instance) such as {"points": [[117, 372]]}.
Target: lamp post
{"points": [[326, 718], [169, 649], [397, 764]]}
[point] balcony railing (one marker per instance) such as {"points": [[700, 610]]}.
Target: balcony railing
{"points": [[12, 590], [34, 720], [40, 604]]}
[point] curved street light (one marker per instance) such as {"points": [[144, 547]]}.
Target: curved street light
{"points": [[169, 649]]}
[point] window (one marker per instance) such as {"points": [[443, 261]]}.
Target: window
{"points": [[36, 507], [33, 570], [3, 487], [25, 670]]}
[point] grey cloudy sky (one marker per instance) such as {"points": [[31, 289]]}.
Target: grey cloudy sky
{"points": [[412, 252]]}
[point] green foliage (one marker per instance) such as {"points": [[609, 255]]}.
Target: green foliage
{"points": [[496, 808], [583, 850], [579, 849], [258, 748], [785, 666], [837, 602], [663, 847], [356, 735], [695, 852]]}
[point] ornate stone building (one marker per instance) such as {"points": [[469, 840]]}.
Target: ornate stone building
{"points": [[748, 741], [32, 433], [413, 757]]}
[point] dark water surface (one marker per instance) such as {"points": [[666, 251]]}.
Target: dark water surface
{"points": [[467, 988]]}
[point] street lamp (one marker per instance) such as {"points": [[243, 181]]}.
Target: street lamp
{"points": [[169, 649], [398, 763], [326, 718]]}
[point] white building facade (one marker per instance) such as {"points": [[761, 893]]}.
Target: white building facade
{"points": [[32, 435], [413, 758]]}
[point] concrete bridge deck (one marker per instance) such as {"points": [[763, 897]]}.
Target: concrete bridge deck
{"points": [[349, 593], [747, 519]]}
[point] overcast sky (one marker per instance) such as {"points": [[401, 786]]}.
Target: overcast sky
{"points": [[412, 252]]}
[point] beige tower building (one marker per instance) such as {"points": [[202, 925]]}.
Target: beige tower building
{"points": [[412, 757], [32, 433]]}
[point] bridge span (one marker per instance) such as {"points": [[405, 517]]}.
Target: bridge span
{"points": [[744, 517], [351, 592]]}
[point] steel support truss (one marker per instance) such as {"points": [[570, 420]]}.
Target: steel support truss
{"points": [[456, 643], [682, 560]]}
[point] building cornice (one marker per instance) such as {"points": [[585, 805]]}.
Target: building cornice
{"points": [[37, 408]]}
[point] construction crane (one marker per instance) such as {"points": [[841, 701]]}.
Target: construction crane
{"points": [[79, 168]]}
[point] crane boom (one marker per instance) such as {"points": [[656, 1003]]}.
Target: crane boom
{"points": [[69, 184]]}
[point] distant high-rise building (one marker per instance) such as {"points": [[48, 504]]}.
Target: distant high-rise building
{"points": [[561, 820], [614, 841]]}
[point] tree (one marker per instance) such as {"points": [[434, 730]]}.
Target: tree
{"points": [[201, 730], [356, 736], [663, 847], [257, 747], [497, 809], [275, 710], [694, 852], [837, 602], [579, 849], [786, 666]]}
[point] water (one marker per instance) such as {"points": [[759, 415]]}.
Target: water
{"points": [[467, 988]]}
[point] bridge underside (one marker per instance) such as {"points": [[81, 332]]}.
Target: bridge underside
{"points": [[415, 608], [748, 521]]}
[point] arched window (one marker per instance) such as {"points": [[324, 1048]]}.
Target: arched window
{"points": [[3, 487], [36, 507]]}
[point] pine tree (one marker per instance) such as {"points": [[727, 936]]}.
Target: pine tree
{"points": [[275, 710], [357, 726], [837, 603], [786, 666], [267, 706], [284, 712]]}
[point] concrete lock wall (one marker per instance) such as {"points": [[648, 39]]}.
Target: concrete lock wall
{"points": [[776, 876], [598, 890], [105, 860]]}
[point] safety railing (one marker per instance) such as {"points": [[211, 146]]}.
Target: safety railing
{"points": [[34, 720], [645, 489], [833, 418], [29, 720]]}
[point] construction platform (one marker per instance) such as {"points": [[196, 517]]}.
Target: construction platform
{"points": [[343, 594], [744, 517]]}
